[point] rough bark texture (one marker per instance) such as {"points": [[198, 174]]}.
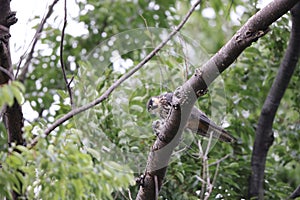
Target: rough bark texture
{"points": [[5, 60], [186, 95], [12, 116], [264, 134]]}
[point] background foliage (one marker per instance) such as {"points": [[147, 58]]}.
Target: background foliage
{"points": [[84, 158]]}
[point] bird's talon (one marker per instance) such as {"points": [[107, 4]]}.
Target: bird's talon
{"points": [[140, 180]]}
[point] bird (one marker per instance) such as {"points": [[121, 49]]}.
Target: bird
{"points": [[198, 122]]}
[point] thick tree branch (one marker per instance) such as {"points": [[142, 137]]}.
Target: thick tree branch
{"points": [[264, 134], [186, 96], [116, 84], [295, 194]]}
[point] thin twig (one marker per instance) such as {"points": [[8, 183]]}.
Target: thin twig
{"points": [[219, 161], [34, 42], [208, 144], [216, 174], [129, 194], [205, 169], [156, 187], [200, 149], [211, 185], [200, 179], [116, 84], [63, 67]]}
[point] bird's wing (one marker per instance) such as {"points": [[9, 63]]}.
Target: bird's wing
{"points": [[198, 122]]}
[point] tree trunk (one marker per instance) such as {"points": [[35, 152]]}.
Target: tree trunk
{"points": [[12, 116], [264, 134], [187, 94]]}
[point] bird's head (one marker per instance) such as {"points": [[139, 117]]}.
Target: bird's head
{"points": [[160, 105], [153, 105]]}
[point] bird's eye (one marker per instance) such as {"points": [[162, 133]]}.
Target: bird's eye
{"points": [[150, 103]]}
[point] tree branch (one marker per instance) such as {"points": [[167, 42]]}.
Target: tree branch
{"points": [[116, 84], [63, 68], [185, 96], [295, 194], [34, 42], [264, 134]]}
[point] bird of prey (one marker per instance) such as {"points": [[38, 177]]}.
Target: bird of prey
{"points": [[198, 122]]}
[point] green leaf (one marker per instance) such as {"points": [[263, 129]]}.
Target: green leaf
{"points": [[107, 173], [19, 85], [7, 95], [137, 108], [15, 160], [13, 179], [17, 94], [94, 153], [180, 177]]}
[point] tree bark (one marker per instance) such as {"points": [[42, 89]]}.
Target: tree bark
{"points": [[12, 116], [186, 95], [264, 134], [295, 194]]}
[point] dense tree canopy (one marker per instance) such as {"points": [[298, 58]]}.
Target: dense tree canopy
{"points": [[98, 153]]}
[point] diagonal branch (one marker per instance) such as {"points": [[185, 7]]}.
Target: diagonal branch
{"points": [[186, 95], [264, 134], [295, 194], [34, 42], [116, 84]]}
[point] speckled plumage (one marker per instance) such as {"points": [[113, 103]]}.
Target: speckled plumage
{"points": [[198, 122]]}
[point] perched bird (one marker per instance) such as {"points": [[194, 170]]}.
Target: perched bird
{"points": [[198, 122]]}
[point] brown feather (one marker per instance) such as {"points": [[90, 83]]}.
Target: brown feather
{"points": [[202, 125]]}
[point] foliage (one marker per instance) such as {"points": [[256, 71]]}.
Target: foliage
{"points": [[62, 168], [94, 155], [11, 91]]}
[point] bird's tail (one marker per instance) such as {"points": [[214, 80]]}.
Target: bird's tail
{"points": [[206, 127], [220, 134]]}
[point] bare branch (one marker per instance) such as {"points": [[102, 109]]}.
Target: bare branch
{"points": [[116, 84], [34, 42], [220, 160], [156, 187], [63, 68], [264, 134]]}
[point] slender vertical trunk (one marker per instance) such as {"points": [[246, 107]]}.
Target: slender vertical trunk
{"points": [[264, 134]]}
